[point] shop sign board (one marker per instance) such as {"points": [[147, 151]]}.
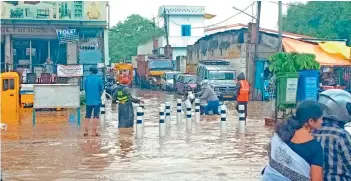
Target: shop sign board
{"points": [[69, 70], [291, 90], [67, 35], [27, 30]]}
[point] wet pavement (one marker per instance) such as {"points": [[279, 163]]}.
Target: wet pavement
{"points": [[56, 150]]}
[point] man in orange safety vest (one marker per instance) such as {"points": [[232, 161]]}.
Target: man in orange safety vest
{"points": [[243, 91]]}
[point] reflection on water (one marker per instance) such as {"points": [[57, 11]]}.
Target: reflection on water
{"points": [[56, 149]]}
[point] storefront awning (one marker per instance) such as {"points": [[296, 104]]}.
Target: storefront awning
{"points": [[337, 49], [324, 58]]}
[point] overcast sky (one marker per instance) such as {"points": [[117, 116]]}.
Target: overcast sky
{"points": [[221, 8]]}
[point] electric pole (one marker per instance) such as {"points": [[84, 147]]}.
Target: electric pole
{"points": [[255, 58], [280, 24], [166, 25]]}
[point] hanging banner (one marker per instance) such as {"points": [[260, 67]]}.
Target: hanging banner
{"points": [[67, 35], [69, 70]]}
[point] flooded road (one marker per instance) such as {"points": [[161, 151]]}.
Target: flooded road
{"points": [[56, 149]]}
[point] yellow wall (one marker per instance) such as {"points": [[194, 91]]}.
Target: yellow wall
{"points": [[91, 10]]}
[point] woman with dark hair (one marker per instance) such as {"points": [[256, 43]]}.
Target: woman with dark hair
{"points": [[294, 154]]}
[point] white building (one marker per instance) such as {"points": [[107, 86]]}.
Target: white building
{"points": [[186, 24]]}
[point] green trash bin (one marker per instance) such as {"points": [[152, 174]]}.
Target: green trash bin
{"points": [[287, 90]]}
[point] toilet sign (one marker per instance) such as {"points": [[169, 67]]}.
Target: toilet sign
{"points": [[67, 35]]}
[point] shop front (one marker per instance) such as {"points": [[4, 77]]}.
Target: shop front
{"points": [[29, 48]]}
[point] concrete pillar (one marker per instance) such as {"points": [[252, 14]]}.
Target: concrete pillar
{"points": [[106, 52], [182, 63], [72, 59], [72, 53], [8, 52]]}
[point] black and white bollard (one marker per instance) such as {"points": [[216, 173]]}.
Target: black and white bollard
{"points": [[242, 118], [223, 120], [140, 124], [102, 112], [162, 125], [188, 117], [179, 111], [168, 114], [197, 111]]}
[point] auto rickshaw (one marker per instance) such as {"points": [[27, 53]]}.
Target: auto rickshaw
{"points": [[123, 71]]}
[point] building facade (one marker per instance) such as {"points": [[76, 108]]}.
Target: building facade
{"points": [[29, 33], [236, 44], [185, 26]]}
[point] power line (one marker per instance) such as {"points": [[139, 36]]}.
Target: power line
{"points": [[292, 5], [241, 11]]}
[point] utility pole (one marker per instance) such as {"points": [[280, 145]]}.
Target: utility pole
{"points": [[255, 58], [166, 25], [280, 24]]}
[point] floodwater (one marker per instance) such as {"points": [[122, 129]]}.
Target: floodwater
{"points": [[56, 150]]}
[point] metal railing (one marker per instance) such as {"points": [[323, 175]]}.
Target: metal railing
{"points": [[40, 74]]}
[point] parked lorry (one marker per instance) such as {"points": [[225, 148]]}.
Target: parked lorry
{"points": [[151, 68]]}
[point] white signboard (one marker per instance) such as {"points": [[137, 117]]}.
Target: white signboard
{"points": [[56, 95], [291, 90], [69, 70]]}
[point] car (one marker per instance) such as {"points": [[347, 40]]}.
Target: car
{"points": [[167, 80], [186, 82], [175, 78], [220, 75]]}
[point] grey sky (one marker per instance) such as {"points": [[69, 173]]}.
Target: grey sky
{"points": [[222, 8]]}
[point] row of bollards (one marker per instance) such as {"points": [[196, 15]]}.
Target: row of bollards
{"points": [[165, 117]]}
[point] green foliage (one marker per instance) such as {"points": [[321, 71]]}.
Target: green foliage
{"points": [[82, 100], [320, 19], [292, 62], [125, 37]]}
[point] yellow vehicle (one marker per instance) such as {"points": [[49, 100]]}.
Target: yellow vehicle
{"points": [[10, 98], [124, 71]]}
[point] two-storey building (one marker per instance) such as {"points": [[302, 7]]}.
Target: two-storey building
{"points": [[185, 25], [30, 32]]}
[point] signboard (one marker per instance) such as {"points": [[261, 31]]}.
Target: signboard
{"points": [[56, 95], [291, 90], [69, 70], [5, 30], [67, 35]]}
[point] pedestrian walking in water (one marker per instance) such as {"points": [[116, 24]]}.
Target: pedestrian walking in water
{"points": [[243, 91], [125, 107], [94, 88], [335, 140], [294, 154]]}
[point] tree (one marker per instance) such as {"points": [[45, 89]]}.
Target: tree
{"points": [[320, 19], [125, 37]]}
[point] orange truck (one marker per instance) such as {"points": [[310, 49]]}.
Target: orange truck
{"points": [[151, 68]]}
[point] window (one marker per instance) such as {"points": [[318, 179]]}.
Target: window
{"points": [[221, 75], [189, 79], [8, 84], [186, 30]]}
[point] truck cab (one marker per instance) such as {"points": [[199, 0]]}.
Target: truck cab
{"points": [[220, 75], [150, 69]]}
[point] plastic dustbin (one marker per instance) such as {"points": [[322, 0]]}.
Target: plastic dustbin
{"points": [[287, 89], [308, 85]]}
